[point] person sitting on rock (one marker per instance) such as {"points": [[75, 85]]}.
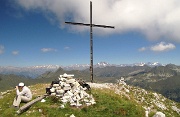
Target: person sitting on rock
{"points": [[23, 94]]}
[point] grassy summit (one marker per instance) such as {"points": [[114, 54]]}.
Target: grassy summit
{"points": [[109, 103]]}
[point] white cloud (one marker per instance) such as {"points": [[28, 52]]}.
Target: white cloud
{"points": [[142, 49], [15, 52], [160, 47], [66, 48], [1, 49], [153, 18], [48, 50]]}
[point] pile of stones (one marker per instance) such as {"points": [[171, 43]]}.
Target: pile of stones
{"points": [[71, 90]]}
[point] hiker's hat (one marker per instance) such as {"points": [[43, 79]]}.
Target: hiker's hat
{"points": [[21, 84]]}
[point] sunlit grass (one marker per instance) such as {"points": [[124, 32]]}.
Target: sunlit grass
{"points": [[108, 104]]}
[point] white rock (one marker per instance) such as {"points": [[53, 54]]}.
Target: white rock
{"points": [[76, 84], [43, 100], [66, 97], [86, 100], [40, 110], [127, 90], [55, 85], [67, 85], [159, 114], [58, 88], [146, 113], [88, 104], [75, 93], [70, 81], [73, 104], [176, 109], [92, 99], [72, 115], [70, 93], [62, 79], [64, 100], [71, 100], [66, 75], [62, 106], [78, 104], [156, 95], [53, 94], [67, 88], [61, 84], [93, 102], [60, 91], [52, 90], [59, 95]]}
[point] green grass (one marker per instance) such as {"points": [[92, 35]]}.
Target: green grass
{"points": [[108, 104]]}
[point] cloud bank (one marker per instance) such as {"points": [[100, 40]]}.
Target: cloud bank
{"points": [[153, 18]]}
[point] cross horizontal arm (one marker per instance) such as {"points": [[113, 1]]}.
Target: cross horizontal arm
{"points": [[93, 25]]}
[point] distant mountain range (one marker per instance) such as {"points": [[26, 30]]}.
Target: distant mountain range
{"points": [[31, 72], [105, 64], [35, 71], [164, 79]]}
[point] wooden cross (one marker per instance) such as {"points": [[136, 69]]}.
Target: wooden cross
{"points": [[91, 37]]}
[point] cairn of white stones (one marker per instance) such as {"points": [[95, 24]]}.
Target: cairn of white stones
{"points": [[68, 89]]}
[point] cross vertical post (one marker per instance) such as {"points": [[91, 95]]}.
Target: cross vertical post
{"points": [[91, 43], [91, 25]]}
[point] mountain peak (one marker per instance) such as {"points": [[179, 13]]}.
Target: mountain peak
{"points": [[102, 64]]}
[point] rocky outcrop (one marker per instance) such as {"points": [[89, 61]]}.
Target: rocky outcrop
{"points": [[152, 102]]}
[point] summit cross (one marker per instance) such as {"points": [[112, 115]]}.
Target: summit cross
{"points": [[91, 37]]}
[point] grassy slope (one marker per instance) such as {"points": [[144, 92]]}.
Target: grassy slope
{"points": [[108, 104]]}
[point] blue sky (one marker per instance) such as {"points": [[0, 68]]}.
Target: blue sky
{"points": [[32, 32]]}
